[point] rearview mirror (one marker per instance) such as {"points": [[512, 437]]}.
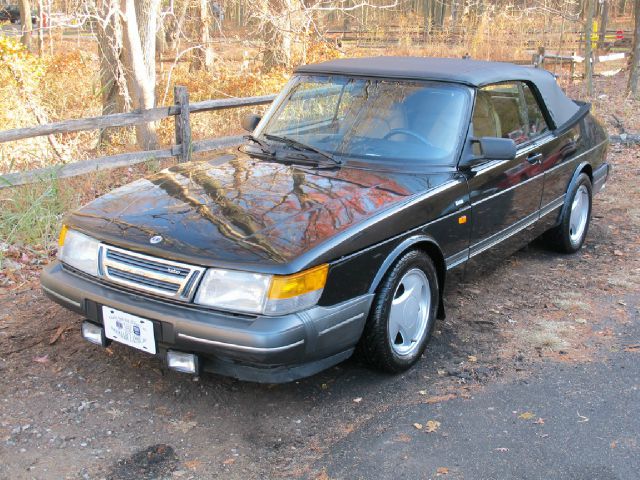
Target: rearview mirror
{"points": [[250, 122], [491, 148]]}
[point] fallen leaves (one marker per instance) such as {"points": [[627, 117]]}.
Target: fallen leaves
{"points": [[632, 348], [182, 426], [440, 398], [357, 400], [61, 329], [229, 461], [526, 416], [193, 464], [42, 359], [442, 471], [472, 358], [432, 426], [501, 449]]}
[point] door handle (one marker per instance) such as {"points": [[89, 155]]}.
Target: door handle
{"points": [[534, 158]]}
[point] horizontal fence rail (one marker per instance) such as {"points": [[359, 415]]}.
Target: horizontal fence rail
{"points": [[129, 119], [183, 149], [184, 146]]}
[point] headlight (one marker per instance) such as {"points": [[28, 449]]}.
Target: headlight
{"points": [[262, 294], [232, 290], [78, 251]]}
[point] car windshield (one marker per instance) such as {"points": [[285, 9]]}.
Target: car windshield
{"points": [[370, 119]]}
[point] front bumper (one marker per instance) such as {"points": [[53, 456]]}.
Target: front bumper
{"points": [[255, 348]]}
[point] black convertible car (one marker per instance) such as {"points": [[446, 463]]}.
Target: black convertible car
{"points": [[368, 185]]}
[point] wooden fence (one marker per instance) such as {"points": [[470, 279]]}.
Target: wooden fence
{"points": [[184, 146], [183, 149]]}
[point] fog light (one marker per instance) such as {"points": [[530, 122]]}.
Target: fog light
{"points": [[182, 362], [94, 333]]}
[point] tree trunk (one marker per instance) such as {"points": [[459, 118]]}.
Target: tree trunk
{"points": [[588, 51], [621, 7], [604, 20], [139, 41], [113, 83], [454, 14], [280, 24], [204, 56], [25, 21], [41, 26], [634, 71]]}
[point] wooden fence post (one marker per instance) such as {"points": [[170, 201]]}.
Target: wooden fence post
{"points": [[183, 123], [538, 58]]}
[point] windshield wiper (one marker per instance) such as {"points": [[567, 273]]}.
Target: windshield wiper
{"points": [[302, 146], [266, 149]]}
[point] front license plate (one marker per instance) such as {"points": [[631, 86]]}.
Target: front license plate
{"points": [[129, 329]]}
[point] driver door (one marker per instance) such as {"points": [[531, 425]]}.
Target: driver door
{"points": [[505, 195]]}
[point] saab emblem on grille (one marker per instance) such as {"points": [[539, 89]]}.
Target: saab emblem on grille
{"points": [[175, 271], [155, 239]]}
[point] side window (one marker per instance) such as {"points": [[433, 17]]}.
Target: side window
{"points": [[509, 110], [537, 125], [485, 119]]}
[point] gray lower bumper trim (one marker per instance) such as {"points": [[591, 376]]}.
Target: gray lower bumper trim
{"points": [[242, 348], [61, 297], [342, 324], [600, 176]]}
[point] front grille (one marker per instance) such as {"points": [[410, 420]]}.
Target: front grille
{"points": [[149, 274]]}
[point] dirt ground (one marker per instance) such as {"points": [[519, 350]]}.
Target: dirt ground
{"points": [[69, 409]]}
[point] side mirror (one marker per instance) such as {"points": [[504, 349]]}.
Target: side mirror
{"points": [[491, 148], [250, 122]]}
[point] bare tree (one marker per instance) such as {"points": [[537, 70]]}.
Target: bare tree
{"points": [[113, 83], [280, 21], [25, 20], [588, 50], [139, 41], [621, 7], [287, 25], [604, 21], [634, 71], [203, 56]]}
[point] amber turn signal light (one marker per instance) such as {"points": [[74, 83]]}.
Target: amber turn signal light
{"points": [[63, 236], [288, 286]]}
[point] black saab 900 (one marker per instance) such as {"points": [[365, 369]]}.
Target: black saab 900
{"points": [[367, 186]]}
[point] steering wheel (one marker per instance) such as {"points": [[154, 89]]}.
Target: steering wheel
{"points": [[400, 131]]}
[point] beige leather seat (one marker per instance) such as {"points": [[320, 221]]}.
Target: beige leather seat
{"points": [[486, 122]]}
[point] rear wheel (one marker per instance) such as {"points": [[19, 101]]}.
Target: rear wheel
{"points": [[403, 314], [569, 235]]}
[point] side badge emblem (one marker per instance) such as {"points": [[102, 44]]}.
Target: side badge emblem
{"points": [[155, 239]]}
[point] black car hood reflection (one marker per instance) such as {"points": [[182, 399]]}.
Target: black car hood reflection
{"points": [[237, 210]]}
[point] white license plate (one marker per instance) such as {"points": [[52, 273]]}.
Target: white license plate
{"points": [[129, 329]]}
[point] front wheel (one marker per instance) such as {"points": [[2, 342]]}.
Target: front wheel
{"points": [[402, 315], [570, 234]]}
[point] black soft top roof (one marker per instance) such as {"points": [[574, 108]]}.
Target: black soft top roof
{"points": [[473, 73]]}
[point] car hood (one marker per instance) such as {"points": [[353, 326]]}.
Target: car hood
{"points": [[235, 210]]}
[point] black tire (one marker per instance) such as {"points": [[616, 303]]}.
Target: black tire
{"points": [[560, 237], [375, 344]]}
